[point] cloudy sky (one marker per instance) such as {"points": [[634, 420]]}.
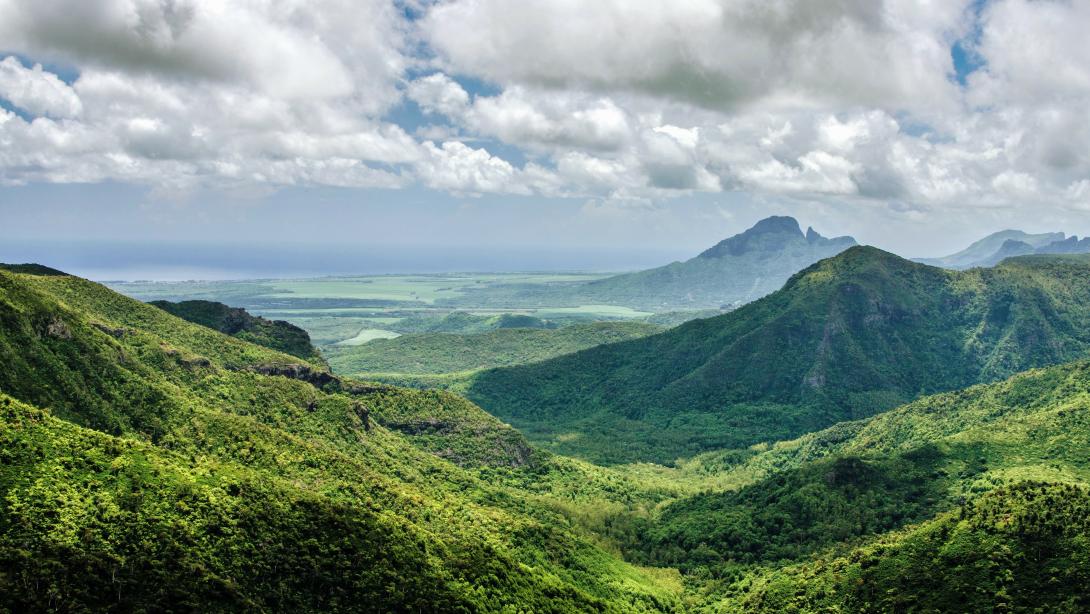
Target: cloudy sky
{"points": [[665, 125]]}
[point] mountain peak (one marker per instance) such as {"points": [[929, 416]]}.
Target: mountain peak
{"points": [[770, 236], [776, 224]]}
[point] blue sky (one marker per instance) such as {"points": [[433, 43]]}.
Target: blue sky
{"points": [[543, 126]]}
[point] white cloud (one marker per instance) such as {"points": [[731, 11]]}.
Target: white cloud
{"points": [[713, 53], [459, 168], [37, 91], [817, 100]]}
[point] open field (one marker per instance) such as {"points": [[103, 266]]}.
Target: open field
{"points": [[355, 310]]}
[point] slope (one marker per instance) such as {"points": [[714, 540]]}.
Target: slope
{"points": [[172, 465], [276, 334], [863, 478], [996, 475], [737, 270], [848, 337]]}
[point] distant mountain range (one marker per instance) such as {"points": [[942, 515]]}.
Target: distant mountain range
{"points": [[848, 337], [996, 247], [735, 271]]}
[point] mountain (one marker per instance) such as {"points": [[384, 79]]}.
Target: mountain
{"points": [[153, 464], [1070, 245], [235, 321], [848, 337], [736, 270], [995, 247]]}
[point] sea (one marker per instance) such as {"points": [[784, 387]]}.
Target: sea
{"points": [[181, 261]]}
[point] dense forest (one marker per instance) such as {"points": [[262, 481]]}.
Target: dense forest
{"points": [[153, 463], [846, 338]]}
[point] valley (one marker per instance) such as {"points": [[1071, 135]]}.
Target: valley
{"points": [[801, 451]]}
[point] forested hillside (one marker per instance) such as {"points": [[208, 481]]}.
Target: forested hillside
{"points": [[151, 463], [235, 321], [984, 491], [846, 338]]}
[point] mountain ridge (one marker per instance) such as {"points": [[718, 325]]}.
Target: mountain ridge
{"points": [[996, 247], [845, 338], [734, 271]]}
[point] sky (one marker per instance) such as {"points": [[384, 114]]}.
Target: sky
{"points": [[622, 131]]}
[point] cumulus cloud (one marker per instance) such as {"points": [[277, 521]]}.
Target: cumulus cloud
{"points": [[714, 53], [37, 91], [845, 101]]}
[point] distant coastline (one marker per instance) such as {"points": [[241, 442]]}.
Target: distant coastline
{"points": [[196, 261]]}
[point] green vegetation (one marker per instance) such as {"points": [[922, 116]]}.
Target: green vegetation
{"points": [[275, 334], [1019, 549], [341, 309], [171, 466], [468, 323], [826, 491], [844, 339], [149, 463], [445, 353]]}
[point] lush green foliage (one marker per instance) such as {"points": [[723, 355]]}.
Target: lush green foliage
{"points": [[1019, 549], [844, 339], [234, 321], [182, 468], [148, 463], [437, 353], [827, 490]]}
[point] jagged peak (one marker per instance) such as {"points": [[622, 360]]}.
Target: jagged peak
{"points": [[769, 235]]}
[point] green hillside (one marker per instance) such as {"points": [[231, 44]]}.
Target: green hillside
{"points": [[234, 321], [151, 463], [736, 270], [441, 352], [1020, 549], [864, 478], [984, 489], [844, 339]]}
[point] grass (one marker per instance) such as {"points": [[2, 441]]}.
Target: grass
{"points": [[607, 311]]}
